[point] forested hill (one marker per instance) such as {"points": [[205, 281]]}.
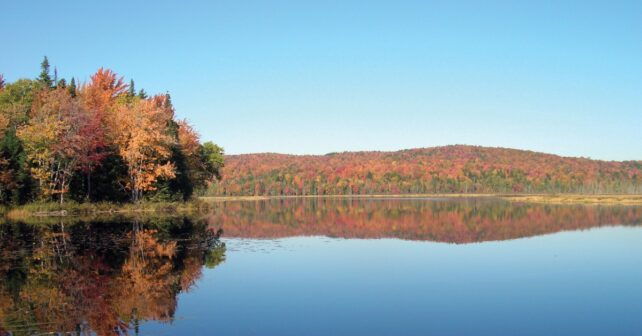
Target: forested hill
{"points": [[448, 169]]}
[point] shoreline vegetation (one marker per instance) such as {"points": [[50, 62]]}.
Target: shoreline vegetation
{"points": [[99, 141], [528, 198], [204, 204], [598, 199], [73, 209]]}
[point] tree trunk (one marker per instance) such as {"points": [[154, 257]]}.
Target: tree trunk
{"points": [[89, 184], [62, 191]]}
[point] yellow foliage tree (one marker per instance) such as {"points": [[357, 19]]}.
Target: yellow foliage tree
{"points": [[51, 140], [4, 123], [139, 130], [190, 146]]}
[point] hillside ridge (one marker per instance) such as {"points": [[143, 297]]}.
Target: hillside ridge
{"points": [[425, 148], [443, 169]]}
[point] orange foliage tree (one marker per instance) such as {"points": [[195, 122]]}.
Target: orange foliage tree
{"points": [[67, 138], [140, 134]]}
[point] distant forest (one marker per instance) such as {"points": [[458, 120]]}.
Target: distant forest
{"points": [[96, 141], [449, 169]]}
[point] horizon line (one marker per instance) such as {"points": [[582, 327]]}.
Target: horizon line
{"points": [[430, 147]]}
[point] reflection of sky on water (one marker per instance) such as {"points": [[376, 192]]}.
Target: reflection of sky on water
{"points": [[581, 282]]}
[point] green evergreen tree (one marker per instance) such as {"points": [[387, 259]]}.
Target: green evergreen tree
{"points": [[72, 87], [44, 77], [142, 94], [168, 101], [105, 182], [132, 88], [12, 153]]}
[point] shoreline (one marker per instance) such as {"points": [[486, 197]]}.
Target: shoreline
{"points": [[204, 203], [72, 209], [597, 199], [619, 199]]}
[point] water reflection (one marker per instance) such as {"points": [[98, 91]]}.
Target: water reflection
{"points": [[101, 277], [452, 221], [109, 276]]}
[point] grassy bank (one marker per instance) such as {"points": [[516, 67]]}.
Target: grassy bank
{"points": [[530, 198], [204, 204], [374, 196], [100, 209], [578, 199]]}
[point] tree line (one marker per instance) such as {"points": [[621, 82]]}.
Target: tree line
{"points": [[97, 141], [448, 169]]}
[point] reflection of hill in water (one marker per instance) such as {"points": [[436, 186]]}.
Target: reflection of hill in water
{"points": [[452, 221], [103, 277], [110, 276]]}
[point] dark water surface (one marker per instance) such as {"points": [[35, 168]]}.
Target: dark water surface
{"points": [[329, 267]]}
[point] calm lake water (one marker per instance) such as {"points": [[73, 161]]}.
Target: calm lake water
{"points": [[330, 267]]}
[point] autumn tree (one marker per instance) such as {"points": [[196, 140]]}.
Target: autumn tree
{"points": [[99, 96], [4, 124], [54, 140], [194, 165], [213, 156], [103, 89], [6, 174], [16, 99], [65, 141], [15, 103], [140, 136]]}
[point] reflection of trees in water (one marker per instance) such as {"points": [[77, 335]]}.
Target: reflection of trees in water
{"points": [[454, 221], [103, 277]]}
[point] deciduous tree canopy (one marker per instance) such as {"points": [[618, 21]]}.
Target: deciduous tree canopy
{"points": [[449, 169], [58, 140]]}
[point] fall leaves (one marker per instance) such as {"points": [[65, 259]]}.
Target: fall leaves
{"points": [[448, 169], [53, 139], [141, 138], [70, 135]]}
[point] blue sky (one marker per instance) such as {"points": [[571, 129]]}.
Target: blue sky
{"points": [[563, 77]]}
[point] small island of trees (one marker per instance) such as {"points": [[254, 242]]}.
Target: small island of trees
{"points": [[99, 141]]}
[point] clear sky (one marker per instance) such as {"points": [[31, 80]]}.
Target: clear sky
{"points": [[563, 77]]}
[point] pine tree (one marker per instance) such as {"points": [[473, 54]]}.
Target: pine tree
{"points": [[72, 87], [168, 101], [44, 73], [142, 94], [132, 89]]}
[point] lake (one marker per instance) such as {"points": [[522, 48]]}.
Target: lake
{"points": [[304, 266]]}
